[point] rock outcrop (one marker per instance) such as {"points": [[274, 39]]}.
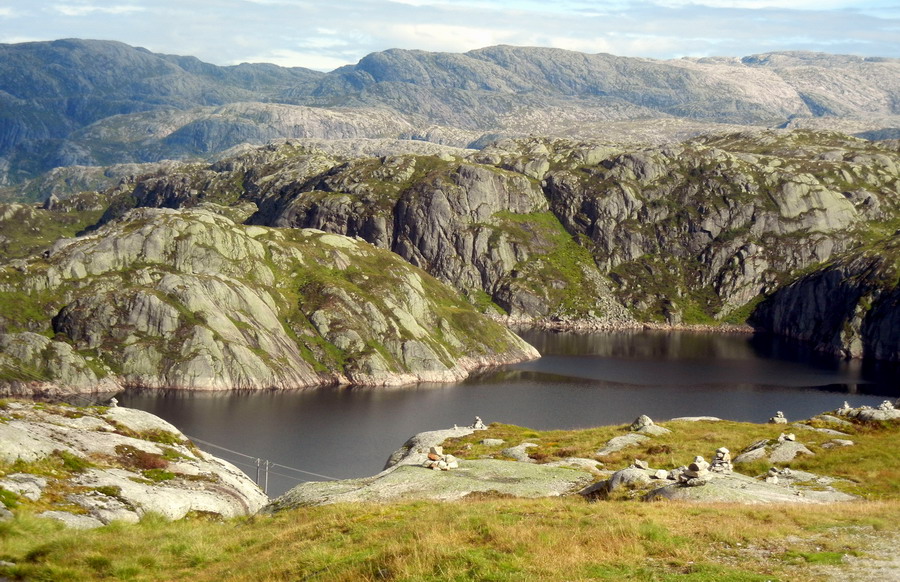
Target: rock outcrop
{"points": [[189, 299], [406, 476], [794, 227], [114, 464]]}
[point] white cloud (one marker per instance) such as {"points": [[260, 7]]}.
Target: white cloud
{"points": [[443, 37], [322, 35], [291, 58], [85, 9]]}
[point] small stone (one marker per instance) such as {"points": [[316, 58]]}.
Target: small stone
{"points": [[478, 424], [640, 422], [640, 464], [492, 442], [661, 474], [433, 457], [439, 451]]}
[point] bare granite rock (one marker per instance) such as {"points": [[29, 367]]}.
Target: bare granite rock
{"points": [[122, 477], [618, 443]]}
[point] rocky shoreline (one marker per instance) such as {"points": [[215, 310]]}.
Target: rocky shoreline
{"points": [[602, 325]]}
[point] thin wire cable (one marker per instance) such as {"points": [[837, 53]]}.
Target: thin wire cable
{"points": [[209, 444], [306, 472]]}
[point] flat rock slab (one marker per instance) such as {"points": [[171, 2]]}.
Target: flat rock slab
{"points": [[786, 451], [618, 443], [138, 420], [830, 419], [519, 452], [829, 431], [72, 520], [737, 488], [653, 430], [412, 482]]}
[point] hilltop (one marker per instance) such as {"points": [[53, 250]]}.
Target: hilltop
{"points": [[86, 102]]}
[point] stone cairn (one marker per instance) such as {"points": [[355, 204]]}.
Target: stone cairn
{"points": [[478, 424], [779, 418], [438, 461], [696, 474], [775, 472], [722, 462]]}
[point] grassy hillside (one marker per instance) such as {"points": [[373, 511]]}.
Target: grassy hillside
{"points": [[494, 538]]}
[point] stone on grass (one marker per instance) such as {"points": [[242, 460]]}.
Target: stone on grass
{"points": [[779, 418], [645, 425], [837, 443], [519, 452], [73, 520], [492, 442], [28, 486], [786, 451], [618, 443]]}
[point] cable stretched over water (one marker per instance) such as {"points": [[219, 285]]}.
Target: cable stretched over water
{"points": [[209, 444]]}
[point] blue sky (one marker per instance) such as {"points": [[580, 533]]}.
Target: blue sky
{"points": [[325, 35]]}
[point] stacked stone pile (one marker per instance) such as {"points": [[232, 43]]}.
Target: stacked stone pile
{"points": [[779, 418], [695, 474], [722, 462], [438, 461]]}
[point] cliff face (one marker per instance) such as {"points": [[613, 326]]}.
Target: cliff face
{"points": [[849, 308], [189, 299]]}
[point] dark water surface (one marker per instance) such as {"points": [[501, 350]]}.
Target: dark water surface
{"points": [[582, 380]]}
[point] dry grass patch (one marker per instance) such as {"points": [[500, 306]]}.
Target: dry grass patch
{"points": [[494, 539]]}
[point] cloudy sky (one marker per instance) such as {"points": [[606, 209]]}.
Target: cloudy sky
{"points": [[325, 35]]}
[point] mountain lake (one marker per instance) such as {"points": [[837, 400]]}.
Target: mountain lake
{"points": [[582, 380]]}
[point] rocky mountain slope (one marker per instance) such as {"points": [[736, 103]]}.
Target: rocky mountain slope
{"points": [[190, 299], [99, 103], [207, 276], [696, 232]]}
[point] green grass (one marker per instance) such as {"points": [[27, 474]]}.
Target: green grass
{"points": [[482, 539], [487, 537]]}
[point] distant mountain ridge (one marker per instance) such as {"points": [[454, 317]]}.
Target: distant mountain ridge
{"points": [[100, 102]]}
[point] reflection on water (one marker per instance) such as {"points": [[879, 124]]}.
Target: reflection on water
{"points": [[583, 380]]}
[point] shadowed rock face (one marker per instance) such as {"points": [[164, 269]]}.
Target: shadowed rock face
{"points": [[188, 299], [850, 308]]}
